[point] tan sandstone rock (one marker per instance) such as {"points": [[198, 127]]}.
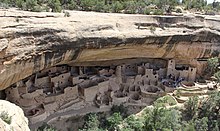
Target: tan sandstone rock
{"points": [[18, 121], [33, 41]]}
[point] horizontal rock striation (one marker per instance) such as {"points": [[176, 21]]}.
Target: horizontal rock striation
{"points": [[31, 41]]}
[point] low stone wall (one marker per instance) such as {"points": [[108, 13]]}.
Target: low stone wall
{"points": [[118, 101], [151, 95], [33, 94], [188, 94], [41, 117]]}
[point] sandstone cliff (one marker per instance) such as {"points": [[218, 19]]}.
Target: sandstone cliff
{"points": [[33, 41]]}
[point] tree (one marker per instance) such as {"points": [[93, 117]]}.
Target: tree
{"points": [[133, 123], [20, 3], [30, 4], [217, 76], [121, 109], [201, 124], [72, 5], [55, 5], [191, 108], [87, 5], [114, 121], [160, 118], [117, 7], [46, 127], [210, 108], [130, 7], [99, 6], [91, 122], [212, 64]]}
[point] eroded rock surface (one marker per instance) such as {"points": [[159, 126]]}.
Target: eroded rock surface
{"points": [[18, 122], [31, 41]]}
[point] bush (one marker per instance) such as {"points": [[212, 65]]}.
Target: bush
{"points": [[5, 117], [165, 101], [30, 4], [66, 14], [133, 123], [46, 127], [4, 5], [158, 12], [72, 5], [191, 108], [107, 8], [213, 64], [91, 122], [152, 29], [117, 7], [130, 7], [114, 121], [37, 9], [160, 118], [55, 5], [99, 6], [201, 124], [121, 109], [147, 11], [20, 3], [87, 5]]}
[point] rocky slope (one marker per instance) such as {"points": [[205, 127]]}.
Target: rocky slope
{"points": [[12, 117], [33, 41]]}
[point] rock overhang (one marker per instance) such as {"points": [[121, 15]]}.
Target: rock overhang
{"points": [[38, 41]]}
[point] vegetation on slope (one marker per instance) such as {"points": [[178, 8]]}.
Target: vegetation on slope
{"points": [[197, 115], [125, 6]]}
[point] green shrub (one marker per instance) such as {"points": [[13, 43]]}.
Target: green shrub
{"points": [[130, 7], [72, 5], [107, 8], [30, 4], [4, 5], [121, 109], [46, 127], [114, 121], [158, 12], [20, 3], [55, 5], [191, 108], [66, 14], [162, 119], [99, 6], [37, 8], [201, 124], [152, 29], [87, 5], [117, 7], [91, 122], [212, 64], [147, 11], [5, 117], [165, 101], [133, 123]]}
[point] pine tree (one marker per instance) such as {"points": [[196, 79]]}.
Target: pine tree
{"points": [[55, 5]]}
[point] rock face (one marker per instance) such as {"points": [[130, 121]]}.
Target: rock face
{"points": [[18, 121], [31, 41]]}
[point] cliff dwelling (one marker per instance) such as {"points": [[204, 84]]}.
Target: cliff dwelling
{"points": [[56, 67], [57, 88]]}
